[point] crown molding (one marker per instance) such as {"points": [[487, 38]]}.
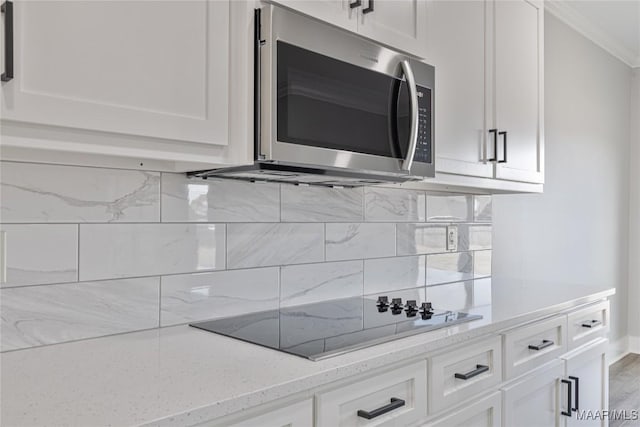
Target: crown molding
{"points": [[563, 10]]}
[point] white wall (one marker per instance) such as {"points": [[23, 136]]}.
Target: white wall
{"points": [[634, 218], [576, 233]]}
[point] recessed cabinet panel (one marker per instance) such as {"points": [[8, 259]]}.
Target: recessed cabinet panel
{"points": [[484, 413], [295, 415], [588, 324], [152, 69], [336, 12]]}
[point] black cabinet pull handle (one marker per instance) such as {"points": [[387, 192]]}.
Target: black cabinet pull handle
{"points": [[7, 9], [568, 411], [504, 146], [543, 344], [355, 4], [577, 380], [394, 404], [369, 8], [479, 369], [591, 324], [495, 145]]}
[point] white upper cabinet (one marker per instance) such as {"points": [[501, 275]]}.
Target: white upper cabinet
{"points": [[456, 47], [401, 24], [154, 69], [519, 89]]}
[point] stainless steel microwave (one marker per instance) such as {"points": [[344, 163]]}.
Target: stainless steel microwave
{"points": [[333, 108]]}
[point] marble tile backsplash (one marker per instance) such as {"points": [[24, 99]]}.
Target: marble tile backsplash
{"points": [[94, 252]]}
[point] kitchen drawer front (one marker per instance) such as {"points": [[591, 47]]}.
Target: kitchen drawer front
{"points": [[298, 414], [487, 412], [464, 372], [392, 398], [530, 346], [588, 324]]}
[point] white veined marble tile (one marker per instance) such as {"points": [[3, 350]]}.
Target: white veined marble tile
{"points": [[397, 205], [37, 315], [359, 240], [415, 239], [321, 204], [452, 296], [390, 274], [309, 283], [482, 263], [202, 296], [262, 245], [218, 200], [449, 208], [37, 193], [482, 208], [479, 236], [482, 291], [41, 253], [128, 250], [450, 267]]}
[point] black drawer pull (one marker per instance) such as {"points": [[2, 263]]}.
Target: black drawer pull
{"points": [[504, 146], [369, 8], [7, 9], [544, 344], [479, 369], [591, 324], [495, 145], [567, 413], [577, 380], [355, 4], [394, 404]]}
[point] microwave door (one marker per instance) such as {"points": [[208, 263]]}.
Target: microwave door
{"points": [[408, 111]]}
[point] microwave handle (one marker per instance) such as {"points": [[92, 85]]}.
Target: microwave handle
{"points": [[413, 98]]}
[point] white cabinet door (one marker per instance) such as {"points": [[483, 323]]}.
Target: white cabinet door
{"points": [[398, 23], [456, 47], [518, 60], [484, 413], [153, 69], [298, 414], [534, 400], [336, 12], [588, 373]]}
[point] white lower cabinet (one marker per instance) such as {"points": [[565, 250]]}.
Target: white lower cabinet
{"points": [[396, 397], [484, 413], [298, 414], [533, 401]]}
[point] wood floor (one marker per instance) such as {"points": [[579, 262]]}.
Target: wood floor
{"points": [[624, 388]]}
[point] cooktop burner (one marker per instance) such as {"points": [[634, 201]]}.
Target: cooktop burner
{"points": [[320, 330]]}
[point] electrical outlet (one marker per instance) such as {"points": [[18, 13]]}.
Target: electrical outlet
{"points": [[452, 238]]}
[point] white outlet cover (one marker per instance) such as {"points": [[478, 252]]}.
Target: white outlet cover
{"points": [[452, 238]]}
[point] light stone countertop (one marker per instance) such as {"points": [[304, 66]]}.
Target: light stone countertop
{"points": [[181, 376]]}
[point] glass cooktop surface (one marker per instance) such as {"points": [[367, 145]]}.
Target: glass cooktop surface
{"points": [[324, 329]]}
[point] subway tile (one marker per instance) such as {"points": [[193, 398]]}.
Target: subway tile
{"points": [[38, 315], [218, 200], [452, 296], [261, 245], [321, 204], [202, 296], [397, 205], [449, 208], [309, 283], [482, 291], [390, 274], [450, 267], [130, 250], [482, 209], [358, 240], [415, 239], [479, 237], [41, 254], [482, 263], [39, 193]]}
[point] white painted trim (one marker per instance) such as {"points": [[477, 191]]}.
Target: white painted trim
{"points": [[634, 344], [617, 349], [563, 10]]}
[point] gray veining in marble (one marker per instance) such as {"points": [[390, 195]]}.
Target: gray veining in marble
{"points": [[397, 205], [261, 245], [482, 209], [450, 267], [449, 208], [38, 315], [39, 193], [203, 296], [218, 200], [418, 238], [359, 240], [309, 283], [479, 237], [41, 253], [129, 250], [390, 274], [321, 204]]}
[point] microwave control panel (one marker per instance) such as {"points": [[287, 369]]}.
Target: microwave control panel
{"points": [[423, 148]]}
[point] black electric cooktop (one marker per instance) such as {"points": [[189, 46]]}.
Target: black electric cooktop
{"points": [[320, 330]]}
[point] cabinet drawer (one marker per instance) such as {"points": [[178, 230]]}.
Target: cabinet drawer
{"points": [[464, 372], [587, 324], [528, 347], [484, 413], [393, 398], [298, 414]]}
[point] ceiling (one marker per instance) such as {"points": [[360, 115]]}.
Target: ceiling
{"points": [[612, 24]]}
